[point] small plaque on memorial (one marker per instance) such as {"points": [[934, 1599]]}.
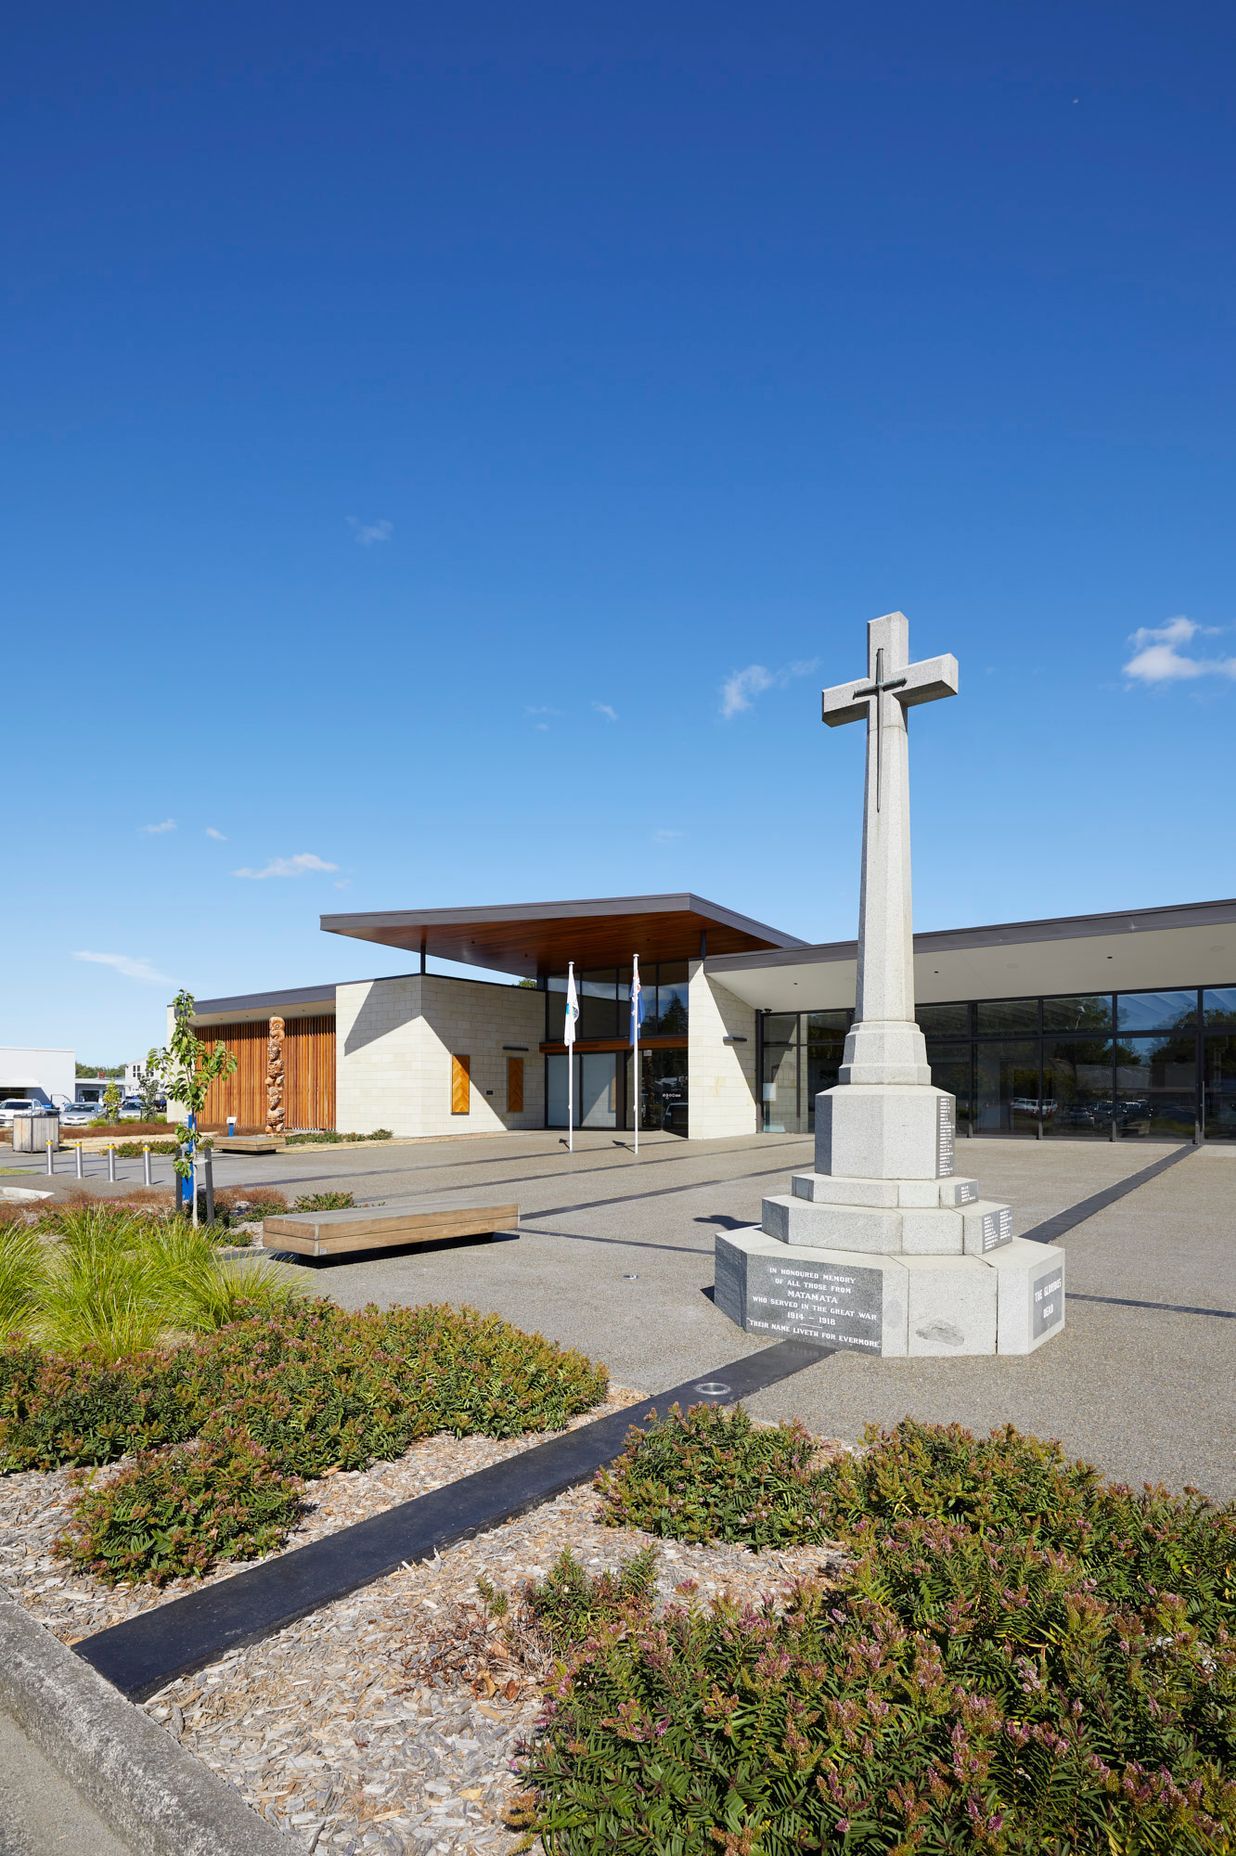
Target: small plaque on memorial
{"points": [[946, 1109], [833, 1305], [998, 1227], [967, 1192], [1048, 1305]]}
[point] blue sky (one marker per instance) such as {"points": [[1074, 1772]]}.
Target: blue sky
{"points": [[415, 419]]}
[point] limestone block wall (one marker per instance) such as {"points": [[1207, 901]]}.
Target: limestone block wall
{"points": [[377, 1069], [474, 1019], [723, 1092], [394, 1042]]}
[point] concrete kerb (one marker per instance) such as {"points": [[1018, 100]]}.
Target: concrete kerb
{"points": [[154, 1793]]}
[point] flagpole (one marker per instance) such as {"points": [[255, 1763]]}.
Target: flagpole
{"points": [[635, 1076], [570, 1031]]}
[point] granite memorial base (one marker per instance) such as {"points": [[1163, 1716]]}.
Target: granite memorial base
{"points": [[921, 1217], [899, 1131], [1008, 1300]]}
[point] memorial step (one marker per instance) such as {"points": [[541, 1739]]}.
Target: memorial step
{"points": [[930, 1230], [839, 1189]]}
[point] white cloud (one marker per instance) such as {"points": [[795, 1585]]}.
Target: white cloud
{"points": [[220, 837], [124, 963], [741, 688], [1160, 654], [607, 710], [366, 533], [153, 831], [344, 882], [300, 865], [664, 834]]}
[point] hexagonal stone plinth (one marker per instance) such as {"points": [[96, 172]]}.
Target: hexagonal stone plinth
{"points": [[1029, 1294], [835, 1298]]}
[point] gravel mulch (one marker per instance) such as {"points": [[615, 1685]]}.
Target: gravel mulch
{"points": [[390, 1721], [35, 1506]]}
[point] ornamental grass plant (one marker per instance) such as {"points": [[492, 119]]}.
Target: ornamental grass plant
{"points": [[114, 1281]]}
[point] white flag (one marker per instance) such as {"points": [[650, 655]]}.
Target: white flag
{"points": [[572, 1008]]}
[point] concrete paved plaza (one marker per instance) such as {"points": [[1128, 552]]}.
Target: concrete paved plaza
{"points": [[614, 1256]]}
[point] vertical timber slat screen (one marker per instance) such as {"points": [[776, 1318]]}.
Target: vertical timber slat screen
{"points": [[242, 1094], [461, 1077], [309, 1071], [514, 1085], [308, 1081]]}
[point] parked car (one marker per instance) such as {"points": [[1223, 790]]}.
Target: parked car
{"points": [[22, 1105], [131, 1109], [79, 1114]]}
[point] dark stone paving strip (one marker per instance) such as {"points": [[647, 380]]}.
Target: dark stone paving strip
{"points": [[1072, 1215], [617, 1164], [1166, 1308], [147, 1651]]}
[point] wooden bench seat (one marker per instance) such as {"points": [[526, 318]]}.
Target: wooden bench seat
{"points": [[378, 1227], [248, 1144]]}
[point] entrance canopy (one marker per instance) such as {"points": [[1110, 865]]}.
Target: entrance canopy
{"points": [[536, 939], [1189, 944]]}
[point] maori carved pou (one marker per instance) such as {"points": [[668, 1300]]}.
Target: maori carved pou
{"points": [[274, 1078]]}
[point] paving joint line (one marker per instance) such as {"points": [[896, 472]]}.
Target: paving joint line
{"points": [[1051, 1228], [1164, 1308], [147, 1651]]}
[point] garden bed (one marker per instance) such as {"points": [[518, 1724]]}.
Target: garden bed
{"points": [[391, 1721]]}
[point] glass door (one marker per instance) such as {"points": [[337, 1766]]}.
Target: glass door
{"points": [[597, 1074]]}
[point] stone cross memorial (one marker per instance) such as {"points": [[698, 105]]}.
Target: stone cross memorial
{"points": [[883, 1248]]}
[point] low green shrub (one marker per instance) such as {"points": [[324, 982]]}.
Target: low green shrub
{"points": [[90, 1409], [331, 1137], [175, 1513], [324, 1202], [323, 1389], [249, 1204], [133, 1150], [962, 1693], [1021, 1657], [708, 1474], [312, 1387]]}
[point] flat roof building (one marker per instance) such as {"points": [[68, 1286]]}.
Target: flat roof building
{"points": [[1112, 1026]]}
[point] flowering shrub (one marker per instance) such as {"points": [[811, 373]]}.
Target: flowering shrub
{"points": [[963, 1694], [708, 1474], [1020, 1658], [175, 1513], [89, 1409], [312, 1387]]}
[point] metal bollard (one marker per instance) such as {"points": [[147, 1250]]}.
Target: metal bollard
{"points": [[78, 1151], [208, 1175], [111, 1161], [51, 1164], [146, 1164]]}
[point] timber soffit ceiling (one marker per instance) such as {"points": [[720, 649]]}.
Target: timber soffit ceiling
{"points": [[535, 939]]}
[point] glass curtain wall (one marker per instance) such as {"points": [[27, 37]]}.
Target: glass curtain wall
{"points": [[605, 1095], [1089, 1066]]}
